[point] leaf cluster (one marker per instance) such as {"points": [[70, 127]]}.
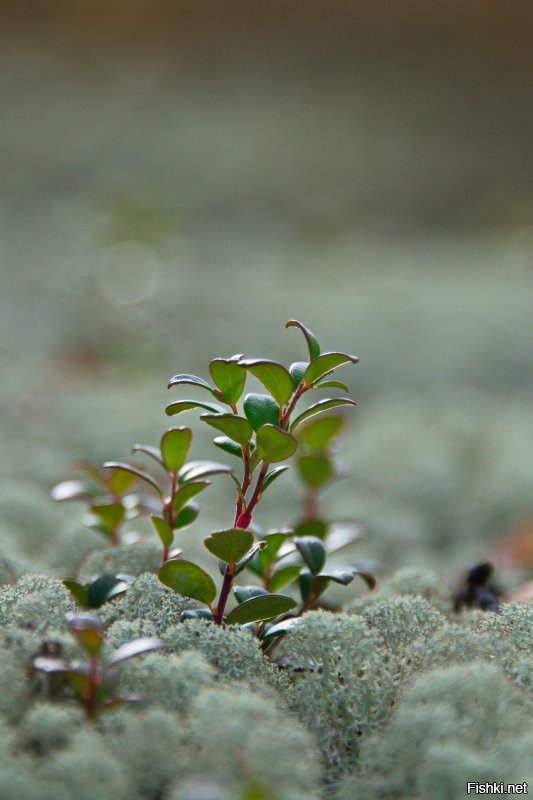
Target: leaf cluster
{"points": [[92, 680]]}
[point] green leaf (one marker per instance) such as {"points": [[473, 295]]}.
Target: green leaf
{"points": [[250, 555], [88, 630], [187, 516], [120, 481], [275, 444], [230, 545], [163, 531], [103, 589], [89, 469], [260, 608], [312, 527], [315, 470], [318, 408], [192, 379], [254, 461], [201, 469], [326, 363], [281, 628], [274, 377], [78, 592], [243, 593], [187, 492], [297, 372], [312, 551], [260, 409], [153, 452], [92, 522], [332, 385], [229, 378], [305, 582], [312, 341], [228, 446], [175, 445], [136, 648], [50, 665], [185, 405], [318, 433], [237, 428], [312, 586], [188, 579], [110, 703], [119, 467], [74, 490], [273, 541], [238, 487], [345, 575], [109, 514], [271, 476], [196, 613], [283, 576]]}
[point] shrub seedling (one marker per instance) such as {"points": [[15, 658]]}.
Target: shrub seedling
{"points": [[266, 432], [93, 679], [263, 431]]}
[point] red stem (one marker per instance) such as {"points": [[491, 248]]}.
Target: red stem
{"points": [[290, 408], [244, 519], [246, 480], [230, 569], [90, 698]]}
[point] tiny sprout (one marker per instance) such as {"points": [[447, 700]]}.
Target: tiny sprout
{"points": [[93, 680]]}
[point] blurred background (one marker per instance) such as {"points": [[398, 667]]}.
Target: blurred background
{"points": [[180, 178]]}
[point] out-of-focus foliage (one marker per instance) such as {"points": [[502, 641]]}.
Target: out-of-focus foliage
{"points": [[453, 726]]}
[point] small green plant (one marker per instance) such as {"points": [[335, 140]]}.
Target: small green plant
{"points": [[98, 591], [93, 680], [263, 431], [108, 496]]}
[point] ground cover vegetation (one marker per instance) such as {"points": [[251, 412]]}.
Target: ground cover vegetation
{"points": [[158, 669]]}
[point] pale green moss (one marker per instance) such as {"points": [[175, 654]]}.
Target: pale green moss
{"points": [[403, 619], [233, 652], [514, 622], [84, 771], [149, 600], [148, 745], [348, 687], [407, 581], [131, 559], [239, 739], [35, 602], [48, 727], [167, 680], [454, 725]]}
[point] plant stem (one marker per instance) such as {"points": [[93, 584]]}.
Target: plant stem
{"points": [[90, 698], [224, 593], [171, 518], [284, 417], [246, 480], [229, 574], [258, 486]]}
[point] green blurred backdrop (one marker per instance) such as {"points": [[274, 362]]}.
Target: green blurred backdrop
{"points": [[180, 178]]}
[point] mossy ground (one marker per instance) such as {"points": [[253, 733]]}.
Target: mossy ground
{"points": [[395, 697]]}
